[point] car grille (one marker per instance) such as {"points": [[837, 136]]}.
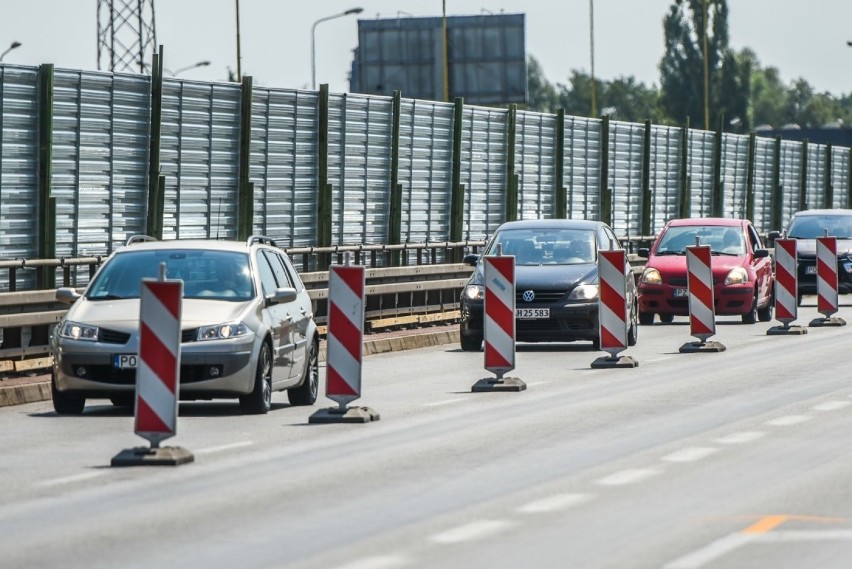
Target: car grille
{"points": [[682, 281], [112, 336], [540, 296], [189, 335], [111, 375]]}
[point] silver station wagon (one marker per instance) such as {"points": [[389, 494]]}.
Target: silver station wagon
{"points": [[247, 326]]}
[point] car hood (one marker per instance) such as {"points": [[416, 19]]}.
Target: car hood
{"points": [[547, 277], [807, 247], [123, 315], [675, 265]]}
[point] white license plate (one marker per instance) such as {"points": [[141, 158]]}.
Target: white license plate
{"points": [[680, 292], [124, 361], [810, 270], [530, 313]]}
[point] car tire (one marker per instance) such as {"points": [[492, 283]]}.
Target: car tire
{"points": [[470, 343], [122, 400], [646, 318], [633, 331], [596, 344], [307, 392], [750, 317], [765, 314], [66, 404], [666, 318], [259, 401]]}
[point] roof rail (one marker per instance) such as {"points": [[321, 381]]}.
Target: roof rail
{"points": [[262, 239], [139, 239]]}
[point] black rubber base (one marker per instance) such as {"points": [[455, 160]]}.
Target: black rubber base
{"points": [[489, 384], [143, 456], [606, 362], [833, 321], [347, 415], [699, 347], [786, 331]]}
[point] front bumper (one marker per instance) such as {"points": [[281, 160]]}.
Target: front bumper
{"points": [[728, 299], [808, 280], [566, 323]]}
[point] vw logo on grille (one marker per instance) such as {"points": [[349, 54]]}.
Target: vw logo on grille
{"points": [[529, 296]]}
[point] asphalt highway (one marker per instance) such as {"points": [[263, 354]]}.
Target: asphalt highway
{"points": [[713, 460]]}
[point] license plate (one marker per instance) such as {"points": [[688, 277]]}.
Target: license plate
{"points": [[678, 292], [810, 269], [530, 313], [124, 361]]}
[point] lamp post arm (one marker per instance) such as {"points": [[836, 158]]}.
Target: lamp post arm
{"points": [[314, 42]]}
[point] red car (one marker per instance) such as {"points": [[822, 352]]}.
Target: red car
{"points": [[742, 270]]}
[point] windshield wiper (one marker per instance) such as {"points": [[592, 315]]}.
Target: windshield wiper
{"points": [[725, 253], [108, 297], [660, 253]]}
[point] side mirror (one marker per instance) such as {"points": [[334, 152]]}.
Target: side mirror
{"points": [[471, 259], [643, 252], [281, 295], [761, 253], [773, 235], [67, 295]]}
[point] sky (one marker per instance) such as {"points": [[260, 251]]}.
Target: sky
{"points": [[802, 38]]}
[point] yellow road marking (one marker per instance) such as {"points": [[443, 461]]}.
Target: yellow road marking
{"points": [[767, 524]]}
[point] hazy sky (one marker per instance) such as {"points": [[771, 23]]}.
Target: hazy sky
{"points": [[803, 38]]}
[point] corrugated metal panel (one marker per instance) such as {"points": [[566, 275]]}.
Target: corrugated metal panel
{"points": [[359, 149], [425, 169], [665, 175], [764, 165], [625, 176], [199, 155], [100, 160], [815, 181], [284, 164], [18, 163], [700, 171], [734, 174], [535, 152], [483, 169], [840, 177], [582, 167], [791, 168]]}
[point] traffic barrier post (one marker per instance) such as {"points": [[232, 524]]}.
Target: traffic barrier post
{"points": [[499, 324], [345, 348], [613, 309], [826, 267], [702, 310], [157, 374], [786, 288]]}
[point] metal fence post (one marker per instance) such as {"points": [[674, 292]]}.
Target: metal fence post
{"points": [[828, 192], [46, 203], [803, 177], [647, 199], [717, 202], [752, 147], [395, 205], [605, 205], [245, 194], [777, 189], [560, 200], [456, 187], [323, 219], [154, 216], [685, 193], [511, 198]]}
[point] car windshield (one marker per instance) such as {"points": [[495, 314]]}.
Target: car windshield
{"points": [[546, 246], [813, 226], [723, 240], [215, 275]]}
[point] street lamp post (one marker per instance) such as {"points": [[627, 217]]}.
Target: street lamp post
{"points": [[15, 45], [187, 68], [349, 12]]}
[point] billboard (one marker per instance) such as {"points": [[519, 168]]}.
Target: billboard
{"points": [[485, 62]]}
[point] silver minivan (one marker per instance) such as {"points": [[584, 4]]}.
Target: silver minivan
{"points": [[247, 326]]}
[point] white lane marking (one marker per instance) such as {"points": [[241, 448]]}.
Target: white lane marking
{"points": [[831, 405], [221, 448], [789, 420], [741, 437], [444, 402], [538, 383], [710, 552], [690, 454], [377, 562], [555, 503], [628, 477], [70, 479], [471, 531], [654, 360], [807, 535]]}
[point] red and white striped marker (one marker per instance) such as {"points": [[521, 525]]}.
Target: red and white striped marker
{"points": [[702, 316], [826, 258], [786, 281], [499, 314], [612, 315], [345, 333], [158, 372]]}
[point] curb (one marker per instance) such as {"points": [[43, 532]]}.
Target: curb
{"points": [[40, 391]]}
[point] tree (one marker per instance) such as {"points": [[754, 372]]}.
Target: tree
{"points": [[541, 94], [623, 98]]}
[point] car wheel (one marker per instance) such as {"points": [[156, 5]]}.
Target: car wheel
{"points": [[646, 318], [765, 314], [667, 318], [633, 332], [122, 400], [259, 401], [596, 344], [66, 404], [799, 299], [470, 343], [750, 317], [306, 393]]}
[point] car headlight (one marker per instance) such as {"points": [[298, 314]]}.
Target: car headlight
{"points": [[222, 331], [474, 292], [584, 292], [652, 276], [738, 275], [77, 331]]}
